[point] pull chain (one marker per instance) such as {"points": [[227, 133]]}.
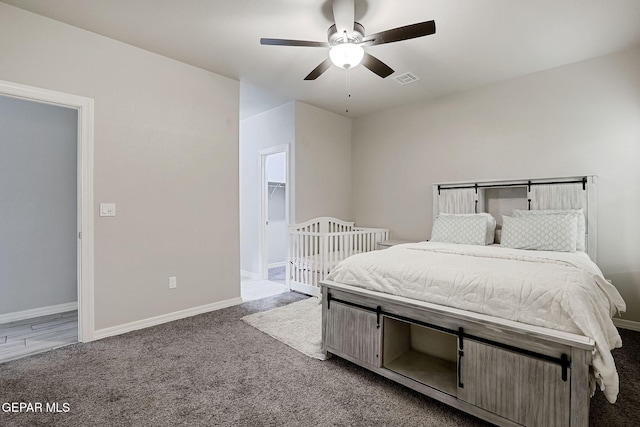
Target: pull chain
{"points": [[348, 84]]}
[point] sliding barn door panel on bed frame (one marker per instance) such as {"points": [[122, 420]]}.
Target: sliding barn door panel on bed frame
{"points": [[524, 389], [353, 332]]}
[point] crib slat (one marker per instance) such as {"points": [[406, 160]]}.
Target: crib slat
{"points": [[314, 266], [307, 254], [289, 259], [296, 242], [323, 244], [296, 255], [335, 249], [341, 254], [351, 252], [316, 251], [300, 258]]}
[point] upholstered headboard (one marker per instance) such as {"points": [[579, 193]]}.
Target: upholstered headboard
{"points": [[502, 197]]}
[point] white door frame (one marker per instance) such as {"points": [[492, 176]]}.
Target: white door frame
{"points": [[263, 261], [84, 106]]}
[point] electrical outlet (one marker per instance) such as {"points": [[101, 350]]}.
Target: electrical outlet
{"points": [[173, 282]]}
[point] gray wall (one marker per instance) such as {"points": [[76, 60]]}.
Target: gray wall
{"points": [[165, 151], [38, 225], [582, 118], [322, 164]]}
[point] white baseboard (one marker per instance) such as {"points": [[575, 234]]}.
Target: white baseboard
{"points": [[37, 312], [169, 317], [277, 264], [314, 291], [250, 275], [627, 324]]}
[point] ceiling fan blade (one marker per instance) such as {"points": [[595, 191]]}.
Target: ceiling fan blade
{"points": [[401, 33], [317, 72], [344, 15], [377, 66], [285, 42]]}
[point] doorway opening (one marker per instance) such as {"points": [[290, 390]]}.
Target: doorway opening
{"points": [[274, 214], [276, 217], [49, 243], [275, 190]]}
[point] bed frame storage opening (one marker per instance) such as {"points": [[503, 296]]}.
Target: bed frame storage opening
{"points": [[498, 370], [421, 354]]}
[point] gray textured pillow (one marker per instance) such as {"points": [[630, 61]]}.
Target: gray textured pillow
{"points": [[461, 229], [540, 232], [578, 213]]}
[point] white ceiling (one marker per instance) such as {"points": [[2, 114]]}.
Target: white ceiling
{"points": [[477, 42]]}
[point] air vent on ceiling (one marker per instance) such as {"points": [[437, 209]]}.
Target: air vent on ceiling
{"points": [[406, 78]]}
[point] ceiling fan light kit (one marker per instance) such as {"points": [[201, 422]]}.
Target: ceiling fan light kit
{"points": [[346, 55], [346, 40]]}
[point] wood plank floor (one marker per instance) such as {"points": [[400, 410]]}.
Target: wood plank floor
{"points": [[31, 336]]}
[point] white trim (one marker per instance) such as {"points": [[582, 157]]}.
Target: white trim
{"points": [[84, 106], [277, 264], [627, 324], [37, 312], [314, 291], [249, 275], [165, 318]]}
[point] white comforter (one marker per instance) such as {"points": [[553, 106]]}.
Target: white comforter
{"points": [[561, 291]]}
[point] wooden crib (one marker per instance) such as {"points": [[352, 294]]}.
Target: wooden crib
{"points": [[318, 245]]}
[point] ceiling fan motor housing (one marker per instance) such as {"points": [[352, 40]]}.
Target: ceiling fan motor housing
{"points": [[355, 37]]}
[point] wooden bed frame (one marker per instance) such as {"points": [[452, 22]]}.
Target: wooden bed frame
{"points": [[505, 372], [502, 371]]}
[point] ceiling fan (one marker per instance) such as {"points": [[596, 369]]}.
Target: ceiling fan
{"points": [[346, 40]]}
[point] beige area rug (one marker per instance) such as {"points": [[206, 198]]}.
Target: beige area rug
{"points": [[299, 325]]}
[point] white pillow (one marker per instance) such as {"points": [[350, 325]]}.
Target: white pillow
{"points": [[540, 232], [578, 213], [468, 229], [491, 224]]}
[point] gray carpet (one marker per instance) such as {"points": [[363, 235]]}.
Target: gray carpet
{"points": [[278, 274], [214, 369]]}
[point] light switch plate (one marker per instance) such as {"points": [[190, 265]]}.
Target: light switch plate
{"points": [[107, 209]]}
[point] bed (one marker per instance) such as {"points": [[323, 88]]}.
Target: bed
{"points": [[514, 333], [318, 245]]}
